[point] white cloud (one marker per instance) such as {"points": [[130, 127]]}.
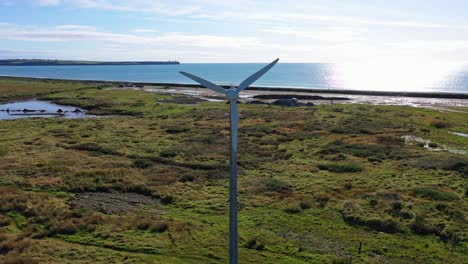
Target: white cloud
{"points": [[145, 30], [325, 34], [49, 2], [68, 33], [296, 31], [245, 10], [75, 27]]}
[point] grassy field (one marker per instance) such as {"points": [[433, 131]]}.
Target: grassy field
{"points": [[323, 184], [25, 88]]}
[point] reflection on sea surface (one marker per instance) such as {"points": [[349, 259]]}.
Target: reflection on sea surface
{"points": [[416, 76]]}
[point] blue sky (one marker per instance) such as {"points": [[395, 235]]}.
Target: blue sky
{"points": [[236, 31]]}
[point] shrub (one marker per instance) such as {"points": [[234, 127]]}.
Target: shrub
{"points": [[353, 215], [348, 186], [390, 140], [397, 206], [177, 130], [187, 178], [435, 194], [304, 205], [168, 153], [439, 123], [275, 185], [340, 167], [159, 227], [4, 220], [383, 225], [322, 198], [66, 227], [142, 163], [17, 258], [420, 226], [292, 210], [168, 199], [155, 227], [91, 146], [260, 246], [87, 146], [11, 243], [373, 152], [373, 202], [253, 244], [144, 224], [92, 219]]}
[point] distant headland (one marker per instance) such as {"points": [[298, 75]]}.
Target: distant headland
{"points": [[40, 62]]}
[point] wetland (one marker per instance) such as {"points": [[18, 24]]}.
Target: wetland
{"points": [[323, 183]]}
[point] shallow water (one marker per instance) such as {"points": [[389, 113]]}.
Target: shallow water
{"points": [[429, 145], [41, 108], [459, 134]]}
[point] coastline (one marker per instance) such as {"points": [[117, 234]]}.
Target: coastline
{"points": [[445, 95], [315, 98], [25, 62]]}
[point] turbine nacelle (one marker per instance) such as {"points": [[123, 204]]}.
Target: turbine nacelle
{"points": [[232, 94]]}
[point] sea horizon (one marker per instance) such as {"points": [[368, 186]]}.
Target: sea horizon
{"points": [[327, 76]]}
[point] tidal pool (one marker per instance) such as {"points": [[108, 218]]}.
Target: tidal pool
{"points": [[459, 134], [38, 108]]}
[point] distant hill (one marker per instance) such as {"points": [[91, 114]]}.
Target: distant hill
{"points": [[21, 62]]}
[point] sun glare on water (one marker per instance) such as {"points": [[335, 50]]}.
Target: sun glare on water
{"points": [[393, 75]]}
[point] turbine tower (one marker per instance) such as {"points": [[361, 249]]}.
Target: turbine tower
{"points": [[232, 94]]}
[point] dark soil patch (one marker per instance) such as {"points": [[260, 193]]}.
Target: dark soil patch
{"points": [[116, 203], [183, 100], [297, 96]]}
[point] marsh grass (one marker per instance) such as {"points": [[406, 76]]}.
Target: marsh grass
{"points": [[307, 192], [340, 167], [435, 194]]}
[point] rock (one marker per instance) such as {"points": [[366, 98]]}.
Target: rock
{"points": [[77, 111], [296, 96], [287, 102], [59, 111], [257, 102]]}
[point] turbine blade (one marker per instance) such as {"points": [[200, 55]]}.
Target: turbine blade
{"points": [[255, 76], [205, 83]]}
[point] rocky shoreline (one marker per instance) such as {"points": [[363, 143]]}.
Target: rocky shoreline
{"points": [[311, 97]]}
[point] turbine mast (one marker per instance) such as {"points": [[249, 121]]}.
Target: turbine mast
{"points": [[232, 95]]}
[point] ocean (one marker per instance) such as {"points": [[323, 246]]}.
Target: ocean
{"points": [[372, 77]]}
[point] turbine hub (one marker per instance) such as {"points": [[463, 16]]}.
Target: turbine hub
{"points": [[232, 94]]}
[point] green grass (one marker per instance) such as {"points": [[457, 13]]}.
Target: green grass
{"points": [[308, 191], [435, 194], [23, 88]]}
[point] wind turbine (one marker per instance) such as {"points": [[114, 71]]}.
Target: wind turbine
{"points": [[232, 94]]}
